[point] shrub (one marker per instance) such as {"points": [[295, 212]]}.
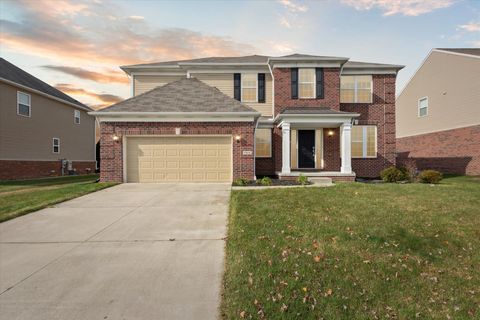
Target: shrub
{"points": [[265, 181], [430, 176], [393, 174], [240, 182], [303, 180]]}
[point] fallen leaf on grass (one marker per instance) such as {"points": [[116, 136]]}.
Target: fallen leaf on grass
{"points": [[242, 314]]}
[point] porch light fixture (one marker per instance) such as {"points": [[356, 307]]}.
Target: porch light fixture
{"points": [[237, 138], [330, 133], [115, 137]]}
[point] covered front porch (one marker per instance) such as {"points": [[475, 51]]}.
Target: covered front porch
{"points": [[316, 142]]}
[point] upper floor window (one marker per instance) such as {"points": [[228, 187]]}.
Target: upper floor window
{"points": [[56, 145], [356, 89], [306, 83], [23, 104], [423, 107], [364, 141], [263, 143], [249, 87], [76, 116]]}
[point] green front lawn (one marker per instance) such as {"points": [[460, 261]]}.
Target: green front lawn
{"points": [[355, 251], [21, 197]]}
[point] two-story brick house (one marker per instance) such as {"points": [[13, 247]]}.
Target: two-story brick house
{"points": [[223, 118]]}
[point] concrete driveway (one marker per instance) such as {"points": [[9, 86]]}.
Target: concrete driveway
{"points": [[134, 251]]}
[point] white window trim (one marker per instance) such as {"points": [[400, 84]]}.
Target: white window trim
{"points": [[418, 107], [75, 113], [364, 143], [242, 87], [270, 149], [314, 84], [355, 88], [53, 145], [29, 106]]}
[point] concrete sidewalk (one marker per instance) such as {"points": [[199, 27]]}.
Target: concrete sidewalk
{"points": [[134, 251]]}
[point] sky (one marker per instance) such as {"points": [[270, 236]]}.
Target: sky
{"points": [[78, 46]]}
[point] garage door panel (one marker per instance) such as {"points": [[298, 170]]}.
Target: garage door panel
{"points": [[179, 159]]}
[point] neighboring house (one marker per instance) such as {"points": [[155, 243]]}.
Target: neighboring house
{"points": [[39, 127], [223, 118], [438, 113]]}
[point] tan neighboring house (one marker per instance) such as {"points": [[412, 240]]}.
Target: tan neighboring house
{"points": [[43, 132], [438, 113]]}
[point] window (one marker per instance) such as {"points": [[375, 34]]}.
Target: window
{"points": [[306, 83], [76, 116], [356, 89], [23, 104], [249, 87], [263, 143], [364, 141], [423, 107], [56, 145]]}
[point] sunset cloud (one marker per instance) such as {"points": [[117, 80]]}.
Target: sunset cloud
{"points": [[106, 76], [101, 99], [404, 7], [293, 6], [104, 38], [470, 27]]}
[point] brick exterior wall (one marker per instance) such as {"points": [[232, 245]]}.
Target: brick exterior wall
{"points": [[381, 112], [451, 151], [22, 169], [112, 151], [283, 97]]}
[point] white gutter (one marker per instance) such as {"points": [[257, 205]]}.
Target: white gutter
{"points": [[135, 113], [45, 94]]}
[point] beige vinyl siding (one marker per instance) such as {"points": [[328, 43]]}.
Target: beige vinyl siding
{"points": [[143, 83], [452, 84], [30, 138], [224, 83], [179, 159]]}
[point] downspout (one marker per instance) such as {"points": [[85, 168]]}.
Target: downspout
{"points": [[384, 125], [255, 148], [273, 89]]}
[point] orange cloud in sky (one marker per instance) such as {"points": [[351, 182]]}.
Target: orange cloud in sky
{"points": [[98, 33], [102, 99], [106, 76]]}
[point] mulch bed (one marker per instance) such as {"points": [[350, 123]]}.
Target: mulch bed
{"points": [[275, 182]]}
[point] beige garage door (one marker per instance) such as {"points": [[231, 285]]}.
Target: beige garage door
{"points": [[179, 159]]}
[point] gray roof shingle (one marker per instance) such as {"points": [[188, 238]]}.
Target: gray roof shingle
{"points": [[184, 95], [470, 51], [13, 73], [244, 59], [254, 59]]}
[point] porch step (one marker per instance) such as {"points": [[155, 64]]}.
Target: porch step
{"points": [[324, 181]]}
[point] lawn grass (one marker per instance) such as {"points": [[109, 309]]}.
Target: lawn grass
{"points": [[355, 251], [21, 197]]}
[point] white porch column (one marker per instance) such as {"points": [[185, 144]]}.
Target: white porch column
{"points": [[286, 147], [346, 152]]}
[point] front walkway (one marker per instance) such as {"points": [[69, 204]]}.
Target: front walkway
{"points": [[134, 251]]}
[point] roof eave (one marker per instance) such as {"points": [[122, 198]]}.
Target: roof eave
{"points": [[157, 114]]}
